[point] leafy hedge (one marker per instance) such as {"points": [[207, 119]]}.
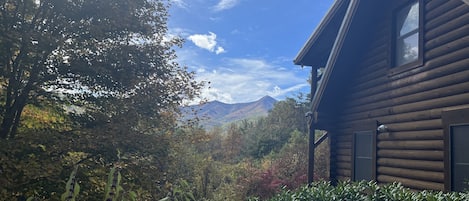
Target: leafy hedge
{"points": [[364, 191]]}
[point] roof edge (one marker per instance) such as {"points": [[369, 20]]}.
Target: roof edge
{"points": [[334, 55], [317, 32]]}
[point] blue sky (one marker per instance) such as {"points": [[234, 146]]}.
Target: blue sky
{"points": [[245, 48]]}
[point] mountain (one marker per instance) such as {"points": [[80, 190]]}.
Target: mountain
{"points": [[216, 113]]}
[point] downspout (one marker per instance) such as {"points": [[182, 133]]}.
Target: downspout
{"points": [[311, 124]]}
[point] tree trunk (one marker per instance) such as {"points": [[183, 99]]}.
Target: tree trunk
{"points": [[16, 101], [11, 119], [7, 122], [13, 104]]}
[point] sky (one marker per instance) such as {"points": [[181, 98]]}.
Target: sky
{"points": [[245, 48]]}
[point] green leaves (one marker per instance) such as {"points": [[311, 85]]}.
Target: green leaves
{"points": [[113, 187], [87, 53], [365, 191], [72, 188], [181, 192]]}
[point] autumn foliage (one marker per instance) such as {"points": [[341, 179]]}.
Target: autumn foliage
{"points": [[90, 94]]}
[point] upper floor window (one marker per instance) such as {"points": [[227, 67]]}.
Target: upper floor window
{"points": [[407, 35]]}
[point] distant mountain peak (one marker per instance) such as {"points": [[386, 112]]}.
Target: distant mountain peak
{"points": [[217, 113], [263, 99], [267, 98]]}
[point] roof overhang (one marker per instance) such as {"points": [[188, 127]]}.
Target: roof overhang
{"points": [[317, 48], [335, 52], [325, 44]]}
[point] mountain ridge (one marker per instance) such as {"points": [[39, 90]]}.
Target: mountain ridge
{"points": [[216, 113]]}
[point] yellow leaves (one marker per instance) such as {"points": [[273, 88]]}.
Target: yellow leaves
{"points": [[267, 163], [39, 146], [42, 118], [73, 157], [9, 6], [43, 147]]}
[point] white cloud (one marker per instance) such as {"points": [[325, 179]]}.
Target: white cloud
{"points": [[225, 4], [204, 41], [215, 19], [250, 63], [207, 41], [235, 32], [243, 80], [279, 92], [235, 80], [200, 70], [219, 50], [179, 3]]}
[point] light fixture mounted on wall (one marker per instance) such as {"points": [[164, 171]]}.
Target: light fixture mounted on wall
{"points": [[381, 128]]}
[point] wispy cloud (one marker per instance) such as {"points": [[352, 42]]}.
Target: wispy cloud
{"points": [[225, 4], [207, 41], [241, 80], [239, 61], [179, 3], [179, 31]]}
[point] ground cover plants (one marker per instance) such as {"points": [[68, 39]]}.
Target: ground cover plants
{"points": [[365, 191]]}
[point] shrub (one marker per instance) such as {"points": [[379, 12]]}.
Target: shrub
{"points": [[366, 191]]}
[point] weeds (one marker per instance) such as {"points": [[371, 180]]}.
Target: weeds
{"points": [[113, 187], [72, 187]]}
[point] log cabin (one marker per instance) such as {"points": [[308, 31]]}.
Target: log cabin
{"points": [[393, 91]]}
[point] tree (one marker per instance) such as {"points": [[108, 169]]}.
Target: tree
{"points": [[268, 134], [233, 144], [88, 51]]}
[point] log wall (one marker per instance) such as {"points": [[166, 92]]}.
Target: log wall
{"points": [[410, 102]]}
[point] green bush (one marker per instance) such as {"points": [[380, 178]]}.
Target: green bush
{"points": [[366, 191]]}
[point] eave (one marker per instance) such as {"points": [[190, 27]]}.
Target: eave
{"points": [[323, 49], [316, 49]]}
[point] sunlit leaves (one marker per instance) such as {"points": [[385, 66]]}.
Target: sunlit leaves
{"points": [[44, 118], [84, 51]]}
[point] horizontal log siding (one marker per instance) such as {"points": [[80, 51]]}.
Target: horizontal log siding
{"points": [[409, 103], [342, 149]]}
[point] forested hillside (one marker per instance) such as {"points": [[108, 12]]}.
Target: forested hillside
{"points": [[249, 159], [215, 113], [89, 104]]}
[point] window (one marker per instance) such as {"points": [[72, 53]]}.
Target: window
{"points": [[363, 163], [408, 35], [456, 129]]}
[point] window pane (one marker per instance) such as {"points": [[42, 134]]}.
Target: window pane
{"points": [[364, 142], [363, 169], [408, 19], [407, 49], [363, 156]]}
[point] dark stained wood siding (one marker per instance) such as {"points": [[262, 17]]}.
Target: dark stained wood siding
{"points": [[411, 102]]}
